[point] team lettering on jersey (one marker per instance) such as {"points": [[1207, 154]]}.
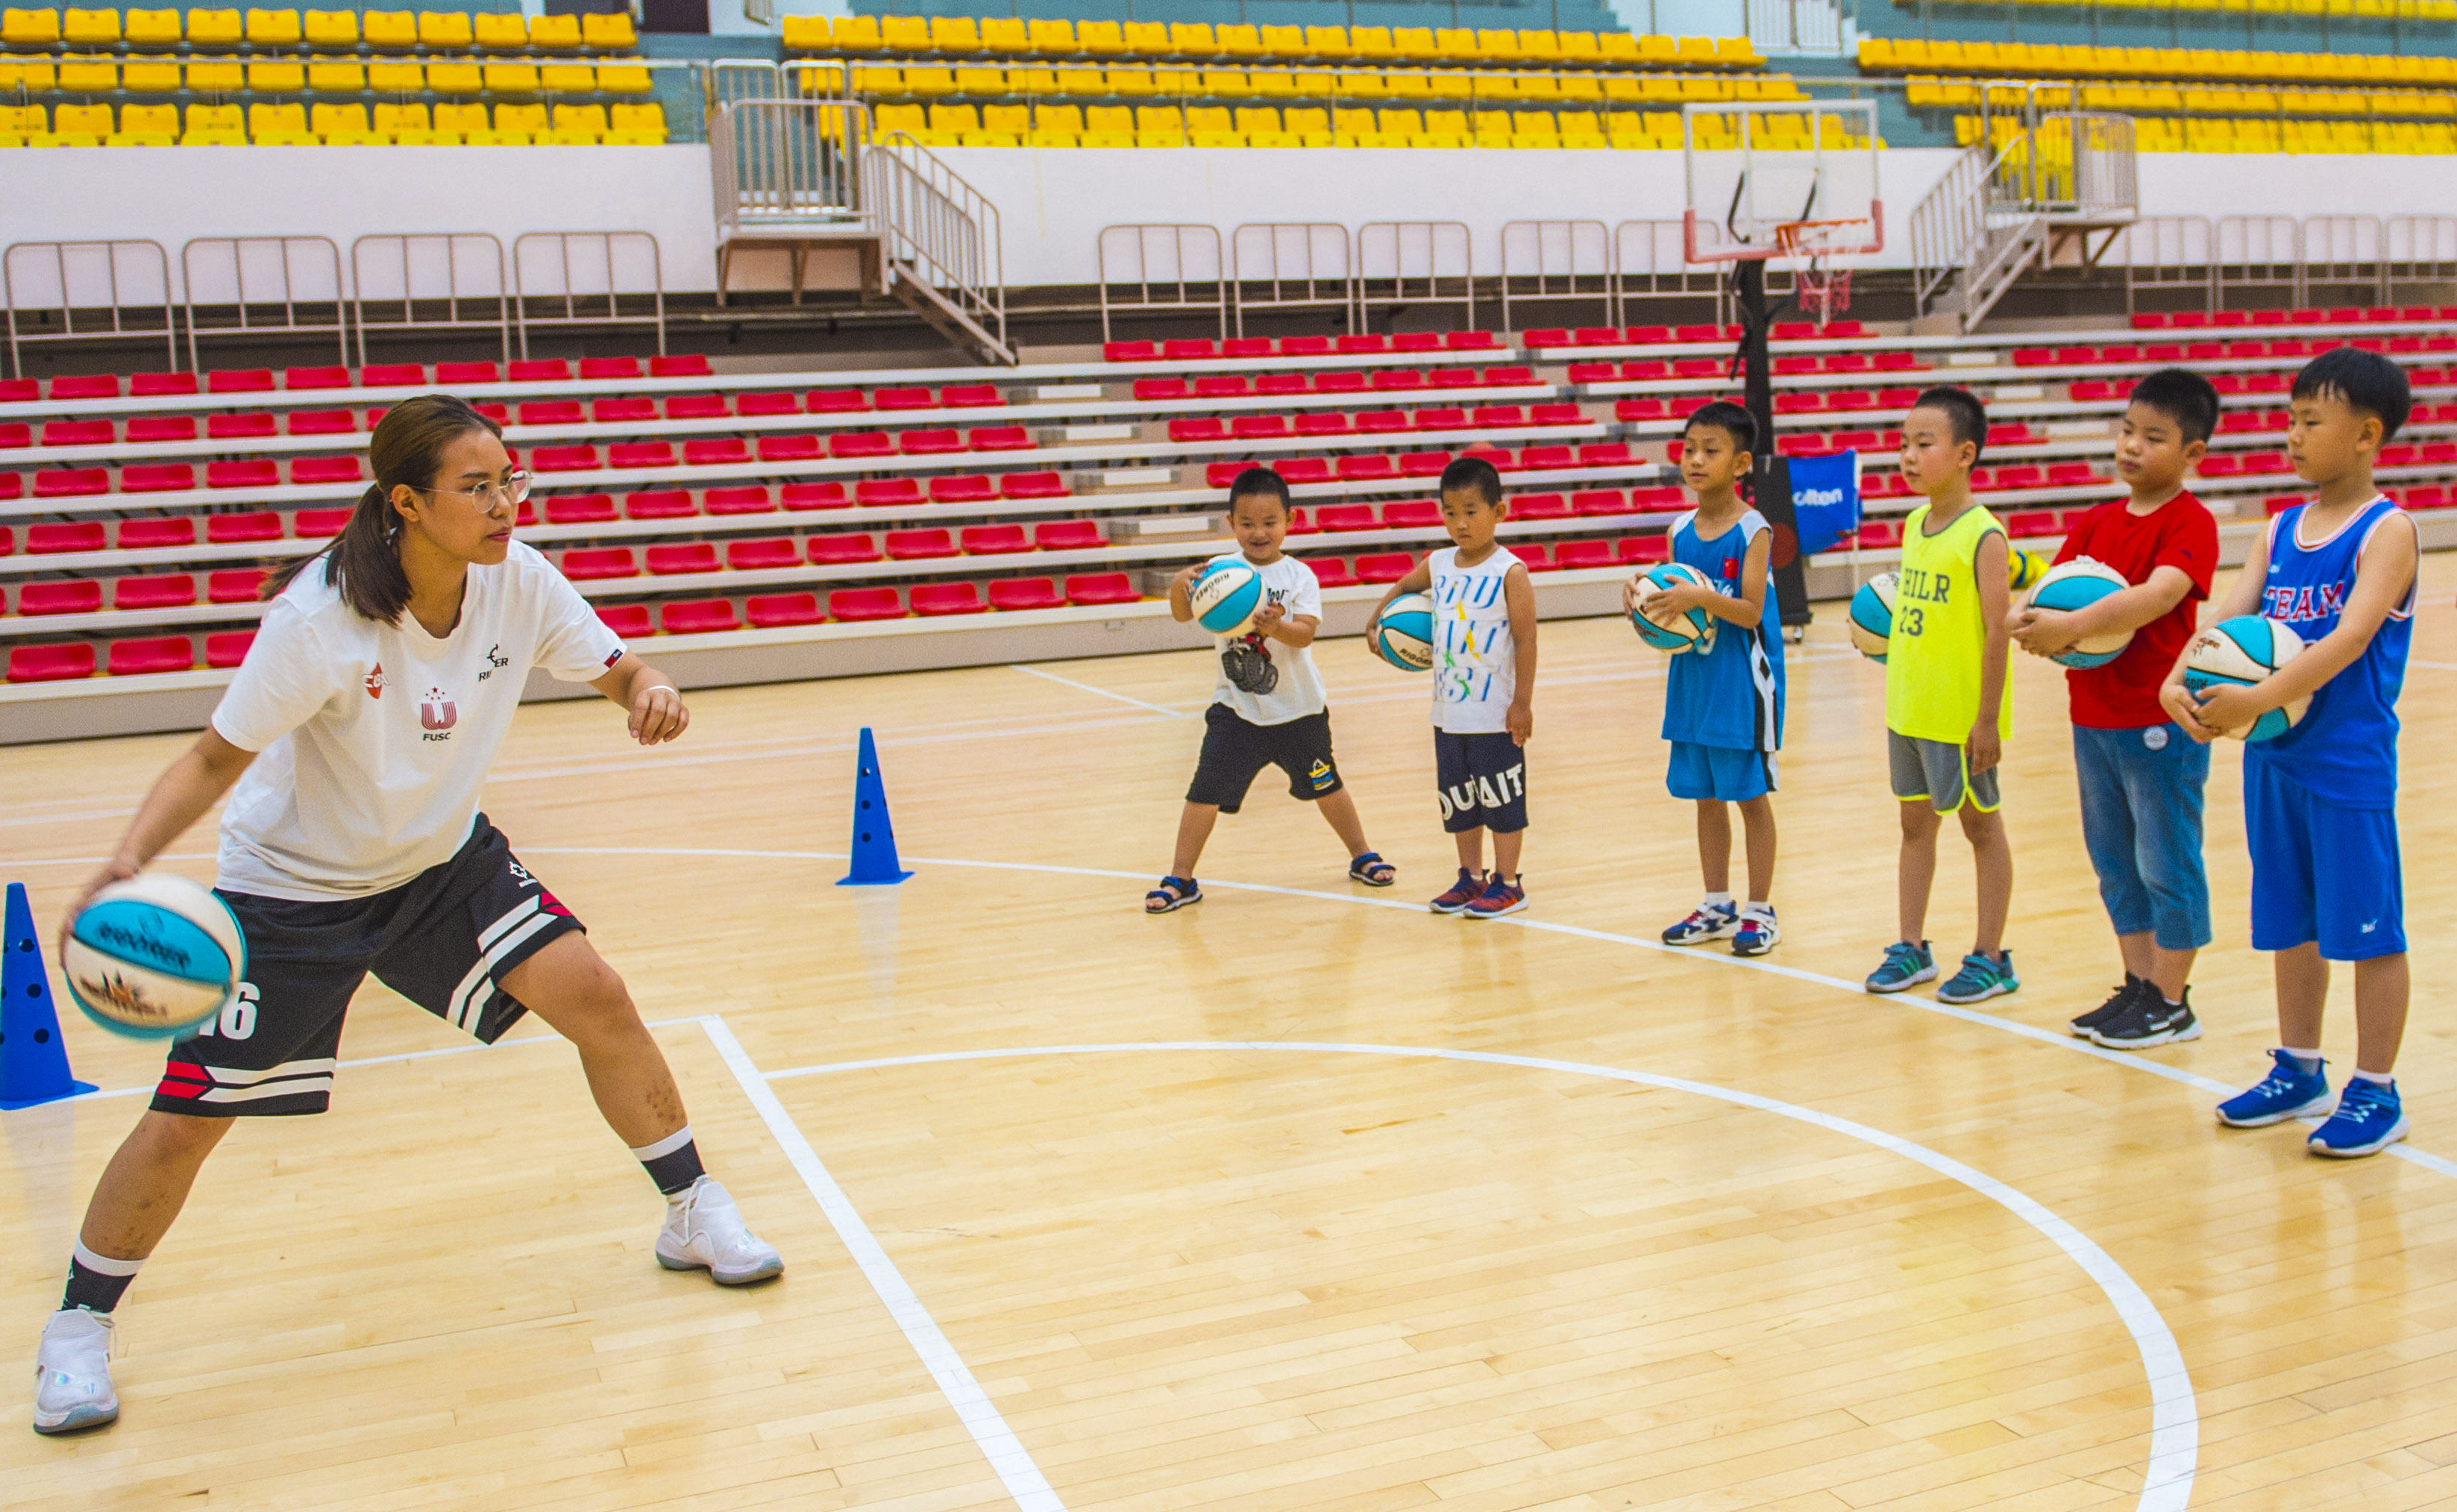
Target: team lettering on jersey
{"points": [[2304, 601]]}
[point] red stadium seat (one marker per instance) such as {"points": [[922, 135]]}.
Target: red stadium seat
{"points": [[1033, 485], [750, 500], [1100, 588], [865, 604], [1024, 592], [640, 454], [627, 620], [235, 586], [1221, 474], [1323, 424], [227, 649], [254, 526], [143, 430], [50, 539], [156, 477], [1556, 415], [130, 658], [1532, 553], [252, 474], [1598, 501], [1661, 500], [317, 524], [174, 591], [1544, 337], [141, 535], [947, 598], [1384, 567], [1534, 458], [971, 396], [151, 386], [660, 504], [1423, 464], [2028, 525], [903, 398], [1360, 341], [1383, 422], [49, 663], [777, 611], [392, 375], [1539, 507], [963, 489], [697, 616], [604, 411], [1331, 571], [1463, 340], [1576, 556], [748, 404], [68, 483], [990, 540], [317, 469], [1000, 438], [682, 364], [1154, 389], [76, 596], [790, 448], [751, 556], [78, 433], [1640, 409], [723, 452], [320, 423], [543, 370], [806, 496], [239, 381], [1259, 427], [97, 386], [861, 443], [1367, 467], [596, 563], [1643, 551], [837, 401], [688, 556], [1066, 535], [839, 550], [1343, 517], [606, 367], [1198, 427], [884, 493], [452, 375], [580, 508], [556, 412], [1416, 342], [1393, 380], [563, 458], [913, 546]]}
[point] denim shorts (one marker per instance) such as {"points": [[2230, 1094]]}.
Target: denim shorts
{"points": [[2142, 822]]}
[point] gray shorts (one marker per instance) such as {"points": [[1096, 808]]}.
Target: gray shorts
{"points": [[1938, 772]]}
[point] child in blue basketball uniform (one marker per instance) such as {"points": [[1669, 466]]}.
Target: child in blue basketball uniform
{"points": [[2320, 800], [1722, 706]]}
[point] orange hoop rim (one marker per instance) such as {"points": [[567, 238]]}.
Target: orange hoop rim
{"points": [[1791, 234]]}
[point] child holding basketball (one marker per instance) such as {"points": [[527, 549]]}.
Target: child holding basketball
{"points": [[1484, 687], [2319, 801], [2142, 780], [1946, 716], [1265, 710], [1723, 707], [353, 843]]}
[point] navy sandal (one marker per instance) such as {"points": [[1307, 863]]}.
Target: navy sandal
{"points": [[1172, 893], [1372, 870]]}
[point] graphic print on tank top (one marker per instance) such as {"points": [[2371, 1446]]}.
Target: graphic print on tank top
{"points": [[1475, 667]]}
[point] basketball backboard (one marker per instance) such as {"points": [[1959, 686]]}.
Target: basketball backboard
{"points": [[1788, 179]]}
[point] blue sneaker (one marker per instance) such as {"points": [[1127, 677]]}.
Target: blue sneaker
{"points": [[1906, 965], [1705, 922], [2369, 1119], [1980, 978], [1757, 934], [2287, 1091]]}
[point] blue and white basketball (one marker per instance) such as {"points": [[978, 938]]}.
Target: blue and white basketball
{"points": [[2239, 653], [154, 955], [1688, 629], [1872, 616], [1226, 595], [2078, 584], [1404, 636]]}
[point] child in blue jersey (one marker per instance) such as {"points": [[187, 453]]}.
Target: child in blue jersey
{"points": [[2319, 801], [1723, 704]]}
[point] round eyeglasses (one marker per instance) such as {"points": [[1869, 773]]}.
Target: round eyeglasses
{"points": [[492, 496]]}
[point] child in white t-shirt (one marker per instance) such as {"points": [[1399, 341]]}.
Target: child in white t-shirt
{"points": [[1269, 708]]}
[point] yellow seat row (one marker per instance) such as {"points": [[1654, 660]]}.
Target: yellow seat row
{"points": [[330, 125], [1159, 39], [2405, 139], [2366, 9], [395, 30], [2130, 98], [1048, 125], [928, 82], [1889, 54], [231, 76]]}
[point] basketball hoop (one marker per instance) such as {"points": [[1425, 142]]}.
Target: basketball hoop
{"points": [[1822, 291]]}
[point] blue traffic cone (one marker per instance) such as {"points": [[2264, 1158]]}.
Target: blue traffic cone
{"points": [[874, 836], [33, 1063]]}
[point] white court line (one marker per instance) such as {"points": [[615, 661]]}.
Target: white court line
{"points": [[2174, 1414], [1007, 1457], [1085, 686]]}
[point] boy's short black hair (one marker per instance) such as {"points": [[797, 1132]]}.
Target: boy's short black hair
{"points": [[2184, 397], [1963, 411], [1722, 414], [1475, 474], [1262, 481], [2365, 381]]}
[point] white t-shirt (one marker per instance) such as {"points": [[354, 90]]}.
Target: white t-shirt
{"points": [[375, 738], [1475, 661], [1291, 585]]}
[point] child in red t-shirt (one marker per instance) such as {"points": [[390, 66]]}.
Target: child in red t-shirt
{"points": [[2142, 780]]}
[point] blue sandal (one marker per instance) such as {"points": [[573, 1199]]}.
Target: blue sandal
{"points": [[1372, 870], [1171, 895]]}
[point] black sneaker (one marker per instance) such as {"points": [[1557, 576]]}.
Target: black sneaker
{"points": [[2150, 1020], [2081, 1027]]}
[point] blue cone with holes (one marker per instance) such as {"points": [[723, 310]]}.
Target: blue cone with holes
{"points": [[33, 1063]]}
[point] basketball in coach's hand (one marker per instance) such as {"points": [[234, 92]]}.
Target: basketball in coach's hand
{"points": [[154, 955], [1226, 595]]}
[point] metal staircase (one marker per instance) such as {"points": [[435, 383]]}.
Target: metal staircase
{"points": [[806, 176], [2040, 189]]}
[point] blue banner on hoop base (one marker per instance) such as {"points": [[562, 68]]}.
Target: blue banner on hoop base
{"points": [[1826, 500]]}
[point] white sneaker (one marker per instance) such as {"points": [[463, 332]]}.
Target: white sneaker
{"points": [[704, 1231], [72, 1373]]}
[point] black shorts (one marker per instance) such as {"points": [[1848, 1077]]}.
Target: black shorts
{"points": [[1482, 781], [1233, 751], [444, 939]]}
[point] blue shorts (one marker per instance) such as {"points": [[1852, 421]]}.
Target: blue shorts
{"points": [[2141, 824], [1709, 772], [2320, 871]]}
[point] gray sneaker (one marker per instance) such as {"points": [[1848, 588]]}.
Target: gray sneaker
{"points": [[72, 1373]]}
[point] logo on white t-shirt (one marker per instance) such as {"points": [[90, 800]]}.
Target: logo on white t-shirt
{"points": [[377, 681], [496, 661], [437, 713]]}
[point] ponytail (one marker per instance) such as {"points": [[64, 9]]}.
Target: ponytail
{"points": [[363, 562]]}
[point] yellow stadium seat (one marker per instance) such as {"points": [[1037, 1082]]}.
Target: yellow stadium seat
{"points": [[1447, 128], [384, 78], [980, 81], [390, 30], [331, 29], [1228, 82], [406, 124], [566, 78], [911, 118], [1051, 39], [1492, 129], [1078, 81], [214, 126], [641, 125], [214, 28], [798, 34], [337, 78], [1627, 90], [1271, 85], [953, 120], [273, 28], [1308, 125], [854, 33], [216, 78], [150, 78], [529, 118], [1147, 39], [151, 29], [874, 80], [1696, 51], [955, 35], [78, 126], [1108, 126], [1414, 44], [1401, 127], [1288, 42], [555, 33], [1238, 41], [278, 126], [89, 29], [578, 125], [1334, 42], [1581, 129], [1146, 82], [1192, 39], [1455, 45], [342, 125], [454, 78], [1657, 51], [1106, 37], [86, 77], [1537, 87], [1450, 86], [1578, 87], [1534, 47], [445, 29], [1581, 48], [509, 78], [1158, 126], [499, 32], [1354, 128], [622, 78], [146, 126], [277, 79], [608, 34], [1067, 118], [1209, 126], [1497, 45], [1012, 120], [929, 81], [1534, 129], [904, 33], [1737, 53], [1251, 119], [30, 28], [1004, 34], [457, 121], [1373, 43]]}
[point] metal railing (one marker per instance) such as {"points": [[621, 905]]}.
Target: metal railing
{"points": [[2165, 254], [2344, 253], [1554, 261], [1648, 263], [2256, 252], [1796, 28], [456, 274], [72, 276], [787, 165], [1167, 266], [2418, 251], [579, 285], [264, 274], [1415, 263], [1301, 265], [939, 229], [1949, 224]]}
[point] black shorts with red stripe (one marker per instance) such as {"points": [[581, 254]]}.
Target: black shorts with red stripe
{"points": [[444, 939]]}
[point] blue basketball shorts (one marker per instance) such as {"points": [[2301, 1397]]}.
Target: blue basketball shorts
{"points": [[1711, 772], [2320, 873]]}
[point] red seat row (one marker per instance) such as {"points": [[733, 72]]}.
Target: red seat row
{"points": [[734, 450], [64, 663], [1385, 379], [1660, 335], [1657, 369], [2344, 314], [1634, 550], [713, 407], [375, 375], [586, 564], [1372, 422], [2288, 348], [179, 477], [84, 595], [779, 610], [150, 429], [1252, 347], [56, 538], [1425, 464]]}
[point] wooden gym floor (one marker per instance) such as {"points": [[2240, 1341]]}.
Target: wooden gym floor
{"points": [[1303, 1198]]}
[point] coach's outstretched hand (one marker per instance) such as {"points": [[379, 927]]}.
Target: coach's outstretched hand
{"points": [[654, 703]]}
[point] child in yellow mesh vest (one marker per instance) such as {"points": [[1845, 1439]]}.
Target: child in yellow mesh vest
{"points": [[1947, 714]]}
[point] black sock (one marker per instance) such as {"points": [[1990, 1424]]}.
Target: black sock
{"points": [[672, 1162], [97, 1281]]}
